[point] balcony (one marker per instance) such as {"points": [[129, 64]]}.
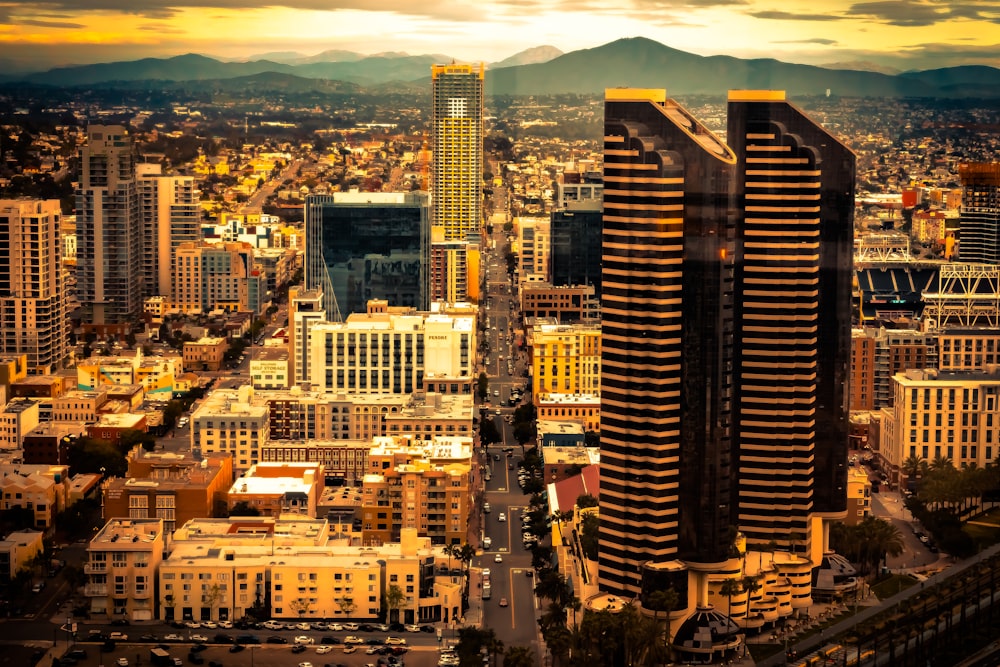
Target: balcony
{"points": [[96, 590], [95, 568]]}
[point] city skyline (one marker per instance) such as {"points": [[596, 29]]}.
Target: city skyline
{"points": [[901, 35]]}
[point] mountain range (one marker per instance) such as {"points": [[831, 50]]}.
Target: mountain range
{"points": [[631, 62]]}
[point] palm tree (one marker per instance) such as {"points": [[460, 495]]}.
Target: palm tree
{"points": [[394, 598], [664, 600], [729, 588], [913, 466], [519, 656]]}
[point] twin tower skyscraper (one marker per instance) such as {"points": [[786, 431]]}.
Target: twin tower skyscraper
{"points": [[725, 335]]}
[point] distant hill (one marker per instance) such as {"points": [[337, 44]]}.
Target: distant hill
{"points": [[859, 65], [640, 62], [536, 54], [636, 62]]}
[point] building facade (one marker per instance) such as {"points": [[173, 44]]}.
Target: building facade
{"points": [[372, 245], [33, 313], [575, 245], [979, 222], [211, 277], [122, 564], [565, 359], [108, 229], [171, 214]]}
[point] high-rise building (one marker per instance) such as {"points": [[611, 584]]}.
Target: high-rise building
{"points": [[457, 126], [795, 194], [170, 216], [108, 229], [979, 223], [215, 276], [32, 298], [457, 203], [575, 253], [667, 336], [725, 358], [372, 245]]}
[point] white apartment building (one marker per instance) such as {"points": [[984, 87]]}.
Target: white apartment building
{"points": [[32, 291], [389, 352], [942, 414], [291, 568], [122, 564], [171, 215], [229, 422]]}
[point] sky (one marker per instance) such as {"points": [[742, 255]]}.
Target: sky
{"points": [[898, 34]]}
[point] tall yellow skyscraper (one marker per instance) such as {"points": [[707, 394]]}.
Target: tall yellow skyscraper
{"points": [[457, 122]]}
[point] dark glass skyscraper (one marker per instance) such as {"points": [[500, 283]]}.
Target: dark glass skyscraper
{"points": [[667, 331], [726, 335], [362, 246], [575, 245], [795, 194]]}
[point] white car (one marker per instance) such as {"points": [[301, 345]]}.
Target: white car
{"points": [[198, 638], [501, 517], [498, 558], [172, 637], [336, 627], [486, 573], [350, 649], [192, 625], [118, 637], [226, 625], [487, 542], [412, 628], [351, 639], [303, 626], [395, 641], [304, 639], [209, 624], [323, 648], [305, 664], [372, 650], [122, 662], [274, 625], [352, 627]]}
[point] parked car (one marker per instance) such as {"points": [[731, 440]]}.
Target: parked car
{"points": [[275, 639], [299, 648], [304, 639], [118, 637]]}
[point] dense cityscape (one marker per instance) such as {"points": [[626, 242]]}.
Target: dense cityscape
{"points": [[437, 377]]}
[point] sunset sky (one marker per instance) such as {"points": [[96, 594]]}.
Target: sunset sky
{"points": [[904, 34]]}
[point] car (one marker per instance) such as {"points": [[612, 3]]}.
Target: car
{"points": [[428, 628], [397, 627], [303, 626], [118, 637], [211, 625], [177, 662], [487, 542], [328, 639], [304, 639], [120, 621], [374, 641], [236, 648], [247, 639], [336, 627], [412, 628], [351, 639], [148, 638], [198, 638], [77, 654], [122, 662], [192, 625], [366, 627], [320, 625], [299, 648], [350, 649], [498, 558], [486, 573], [501, 517], [198, 648], [382, 627], [226, 625], [173, 637], [222, 638], [275, 639], [323, 648], [487, 508], [372, 650], [305, 664], [352, 627], [395, 641], [503, 602], [274, 625], [195, 659]]}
